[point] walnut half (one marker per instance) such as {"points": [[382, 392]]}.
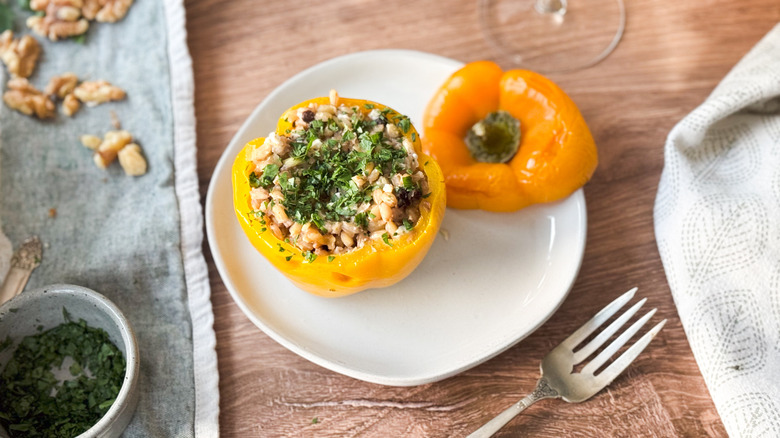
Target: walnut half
{"points": [[62, 85], [62, 18], [55, 29], [111, 10], [117, 144], [96, 92], [112, 143], [70, 105], [19, 55], [132, 160], [25, 98]]}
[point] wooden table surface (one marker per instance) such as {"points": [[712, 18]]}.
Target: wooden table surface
{"points": [[672, 55]]}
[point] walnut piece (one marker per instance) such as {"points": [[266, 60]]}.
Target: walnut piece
{"points": [[105, 11], [112, 143], [55, 29], [90, 141], [68, 13], [91, 8], [96, 92], [19, 55], [115, 144], [25, 98], [132, 160], [61, 85], [115, 120], [113, 10], [66, 18], [62, 18], [70, 105]]}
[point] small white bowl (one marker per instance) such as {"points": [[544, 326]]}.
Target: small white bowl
{"points": [[23, 315]]}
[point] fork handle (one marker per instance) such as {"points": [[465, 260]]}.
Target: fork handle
{"points": [[542, 391]]}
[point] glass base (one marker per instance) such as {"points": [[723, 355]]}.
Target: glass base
{"points": [[552, 35]]}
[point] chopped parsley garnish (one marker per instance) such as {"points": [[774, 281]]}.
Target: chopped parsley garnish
{"points": [[403, 123], [254, 181], [289, 257], [35, 403], [327, 174], [408, 184], [269, 173], [386, 239], [362, 219], [318, 187], [331, 258]]}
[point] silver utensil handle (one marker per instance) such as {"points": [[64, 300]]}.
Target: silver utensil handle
{"points": [[14, 283], [542, 391], [24, 260]]}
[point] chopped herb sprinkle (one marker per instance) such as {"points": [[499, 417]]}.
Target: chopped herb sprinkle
{"points": [[325, 182], [35, 404]]}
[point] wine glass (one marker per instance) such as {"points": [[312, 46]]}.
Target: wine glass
{"points": [[553, 35]]}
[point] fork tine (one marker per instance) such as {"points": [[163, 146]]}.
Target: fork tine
{"points": [[602, 337], [612, 348], [621, 363], [589, 327]]}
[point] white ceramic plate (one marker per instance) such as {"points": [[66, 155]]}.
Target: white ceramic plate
{"points": [[489, 280]]}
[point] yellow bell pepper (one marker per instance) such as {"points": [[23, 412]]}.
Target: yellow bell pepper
{"points": [[556, 155], [374, 265]]}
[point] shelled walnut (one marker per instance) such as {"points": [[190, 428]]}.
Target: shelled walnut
{"points": [[66, 18], [19, 55], [91, 141], [25, 98], [116, 144], [70, 105], [62, 85], [110, 11], [112, 143], [61, 19], [132, 161], [96, 92]]}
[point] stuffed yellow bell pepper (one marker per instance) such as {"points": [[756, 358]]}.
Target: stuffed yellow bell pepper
{"points": [[340, 197], [505, 140]]}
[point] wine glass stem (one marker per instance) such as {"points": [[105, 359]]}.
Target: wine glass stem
{"points": [[551, 6]]}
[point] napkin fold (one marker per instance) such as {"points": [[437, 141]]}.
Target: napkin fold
{"points": [[136, 240], [717, 224]]}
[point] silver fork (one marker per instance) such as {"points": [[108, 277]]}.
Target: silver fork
{"points": [[558, 381]]}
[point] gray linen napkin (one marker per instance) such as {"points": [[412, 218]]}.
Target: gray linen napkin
{"points": [[136, 240], [717, 223]]}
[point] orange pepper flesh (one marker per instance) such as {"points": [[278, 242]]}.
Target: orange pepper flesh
{"points": [[557, 154], [374, 265]]}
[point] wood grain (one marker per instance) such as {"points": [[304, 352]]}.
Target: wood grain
{"points": [[672, 55]]}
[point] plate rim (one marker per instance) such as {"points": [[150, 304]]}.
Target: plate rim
{"points": [[222, 269]]}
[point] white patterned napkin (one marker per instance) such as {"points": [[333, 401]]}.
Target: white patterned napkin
{"points": [[717, 223]]}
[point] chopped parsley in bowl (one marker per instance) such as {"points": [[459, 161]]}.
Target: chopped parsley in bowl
{"points": [[68, 365]]}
